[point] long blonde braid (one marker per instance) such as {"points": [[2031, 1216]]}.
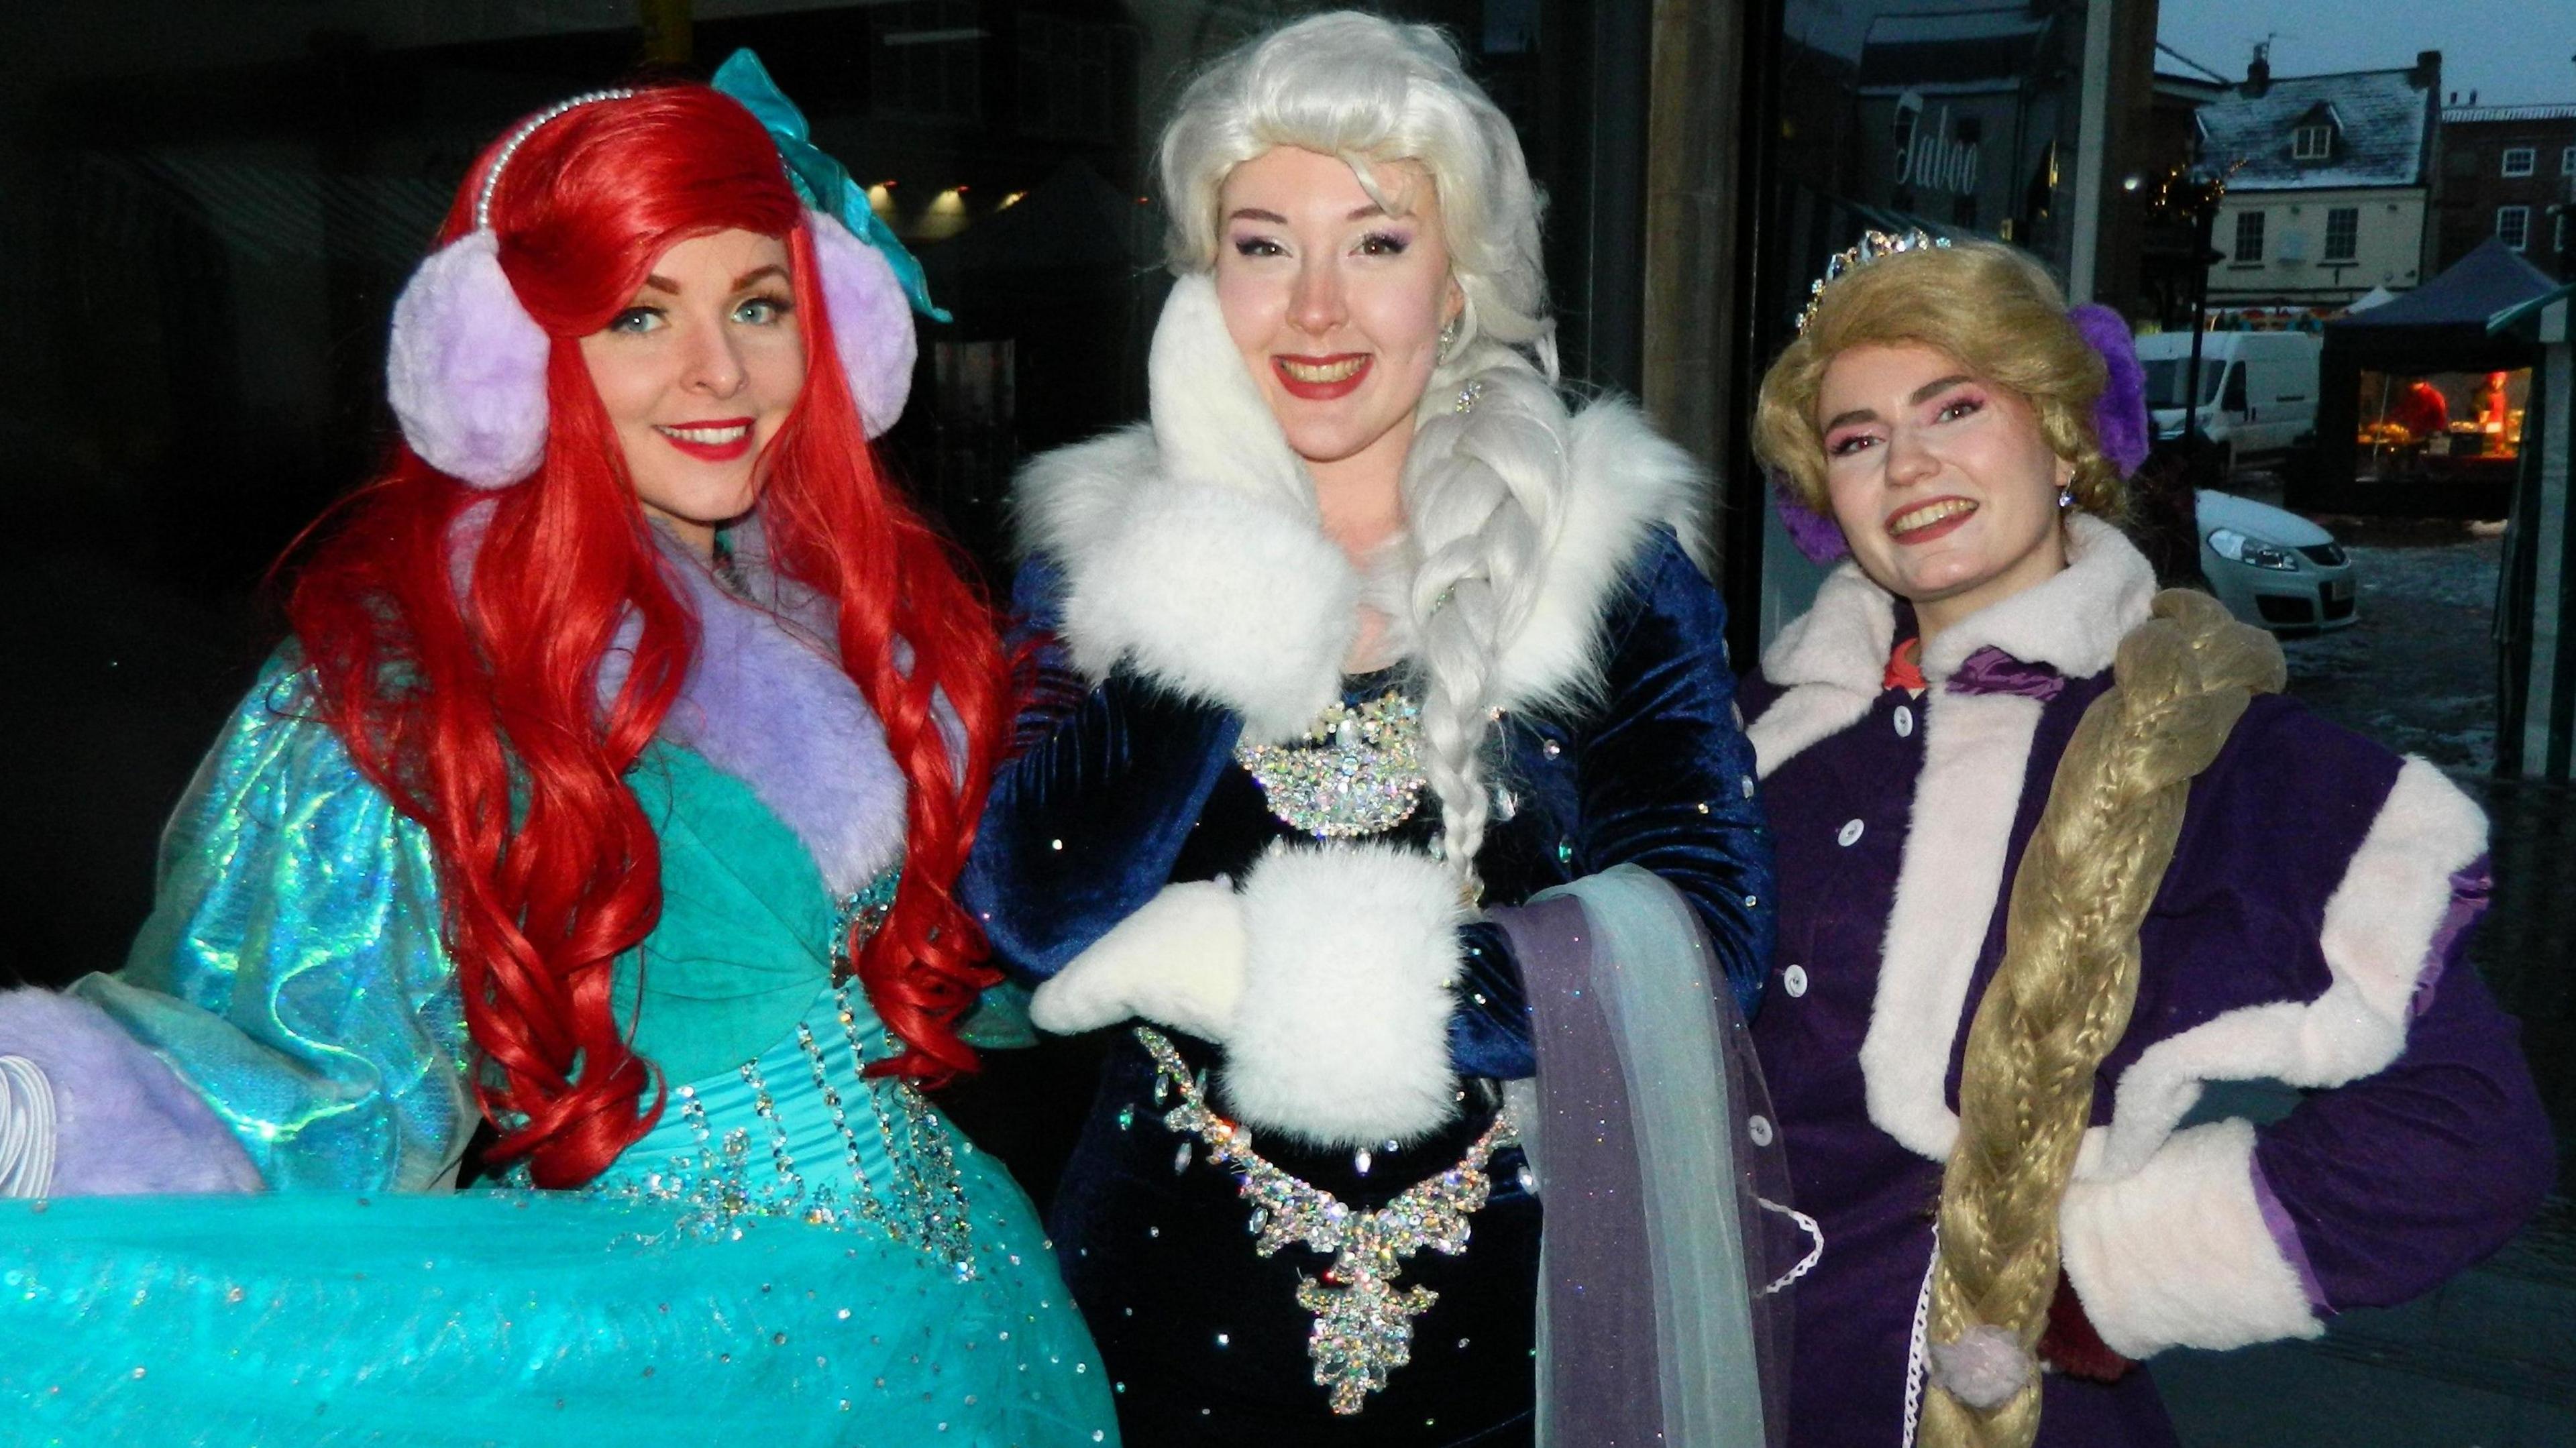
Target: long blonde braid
{"points": [[2069, 978]]}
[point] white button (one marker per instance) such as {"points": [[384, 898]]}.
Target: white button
{"points": [[1849, 834], [1904, 722], [1759, 1128], [1794, 980], [1747, 786]]}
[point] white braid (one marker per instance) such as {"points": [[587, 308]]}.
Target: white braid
{"points": [[1484, 491]]}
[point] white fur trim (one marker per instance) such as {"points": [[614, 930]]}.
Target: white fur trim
{"points": [[2073, 623], [2178, 1254], [1832, 663], [1211, 425], [1178, 961], [1624, 480], [1342, 1039], [1831, 660], [2377, 939], [1220, 597], [1976, 748], [1192, 547]]}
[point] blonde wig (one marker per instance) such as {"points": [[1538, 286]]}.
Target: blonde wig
{"points": [[1991, 307], [1485, 482]]}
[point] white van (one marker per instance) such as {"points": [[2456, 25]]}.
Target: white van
{"points": [[2258, 390]]}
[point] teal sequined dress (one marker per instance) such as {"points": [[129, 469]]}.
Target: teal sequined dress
{"points": [[797, 1253]]}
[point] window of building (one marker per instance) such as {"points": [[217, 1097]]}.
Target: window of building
{"points": [[2518, 160], [2343, 233], [2249, 237], [2567, 162], [2312, 143], [2513, 225]]}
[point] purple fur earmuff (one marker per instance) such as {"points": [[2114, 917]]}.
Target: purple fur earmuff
{"points": [[466, 371], [2119, 425]]}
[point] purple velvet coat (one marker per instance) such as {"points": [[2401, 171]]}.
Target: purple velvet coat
{"points": [[2309, 931]]}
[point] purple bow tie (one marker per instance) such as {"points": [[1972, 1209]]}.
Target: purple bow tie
{"points": [[1992, 671]]}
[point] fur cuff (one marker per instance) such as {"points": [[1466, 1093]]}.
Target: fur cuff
{"points": [[2179, 1255], [125, 1122], [1220, 597], [1342, 1039]]}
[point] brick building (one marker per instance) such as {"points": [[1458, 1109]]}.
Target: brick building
{"points": [[2509, 172]]}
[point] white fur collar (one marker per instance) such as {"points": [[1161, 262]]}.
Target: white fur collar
{"points": [[1192, 549], [1830, 661], [1976, 750]]}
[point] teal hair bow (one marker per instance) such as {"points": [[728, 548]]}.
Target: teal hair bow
{"points": [[822, 182]]}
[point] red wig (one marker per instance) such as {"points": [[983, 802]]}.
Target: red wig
{"points": [[471, 698]]}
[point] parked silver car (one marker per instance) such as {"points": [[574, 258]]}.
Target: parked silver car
{"points": [[2273, 568]]}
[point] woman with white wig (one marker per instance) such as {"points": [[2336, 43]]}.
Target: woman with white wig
{"points": [[1363, 640]]}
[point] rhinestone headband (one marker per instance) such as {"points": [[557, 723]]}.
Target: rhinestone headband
{"points": [[519, 137], [1873, 245]]}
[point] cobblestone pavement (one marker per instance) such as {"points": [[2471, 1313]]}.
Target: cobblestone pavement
{"points": [[2490, 1360]]}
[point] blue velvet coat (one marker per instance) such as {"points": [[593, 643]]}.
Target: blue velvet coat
{"points": [[1126, 783]]}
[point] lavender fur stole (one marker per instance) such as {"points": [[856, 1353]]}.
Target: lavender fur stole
{"points": [[124, 1122], [766, 702]]}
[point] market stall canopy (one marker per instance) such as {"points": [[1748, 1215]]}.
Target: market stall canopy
{"points": [[2441, 326], [2375, 297]]}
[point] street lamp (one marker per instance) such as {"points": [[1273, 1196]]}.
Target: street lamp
{"points": [[2193, 193]]}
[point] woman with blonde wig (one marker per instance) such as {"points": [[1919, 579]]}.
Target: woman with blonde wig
{"points": [[1370, 634], [2055, 853]]}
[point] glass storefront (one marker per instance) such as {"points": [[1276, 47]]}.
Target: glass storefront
{"points": [[1896, 115]]}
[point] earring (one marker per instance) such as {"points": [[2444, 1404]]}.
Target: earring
{"points": [[1448, 336], [2065, 497]]}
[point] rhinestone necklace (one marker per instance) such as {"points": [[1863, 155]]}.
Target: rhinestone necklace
{"points": [[1363, 1323], [1357, 772]]}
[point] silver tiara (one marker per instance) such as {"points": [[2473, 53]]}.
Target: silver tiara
{"points": [[1873, 245]]}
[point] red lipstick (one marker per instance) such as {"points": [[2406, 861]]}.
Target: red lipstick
{"points": [[1313, 390], [694, 438]]}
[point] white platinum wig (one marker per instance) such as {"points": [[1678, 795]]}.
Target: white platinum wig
{"points": [[1485, 481], [1367, 90]]}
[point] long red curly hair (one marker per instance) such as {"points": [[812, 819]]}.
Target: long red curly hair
{"points": [[463, 677]]}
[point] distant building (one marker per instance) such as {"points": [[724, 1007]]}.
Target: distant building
{"points": [[2509, 172], [2333, 177]]}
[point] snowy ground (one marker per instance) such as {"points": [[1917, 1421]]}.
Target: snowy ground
{"points": [[2417, 671]]}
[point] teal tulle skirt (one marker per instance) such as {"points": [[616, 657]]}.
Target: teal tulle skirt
{"points": [[517, 1317]]}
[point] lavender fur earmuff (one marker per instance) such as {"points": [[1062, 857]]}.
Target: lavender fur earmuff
{"points": [[466, 371]]}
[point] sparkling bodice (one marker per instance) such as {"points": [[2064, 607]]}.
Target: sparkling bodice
{"points": [[802, 1131]]}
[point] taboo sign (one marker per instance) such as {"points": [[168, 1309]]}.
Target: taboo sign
{"points": [[1931, 154]]}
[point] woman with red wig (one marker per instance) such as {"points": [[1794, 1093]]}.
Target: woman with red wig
{"points": [[606, 801]]}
